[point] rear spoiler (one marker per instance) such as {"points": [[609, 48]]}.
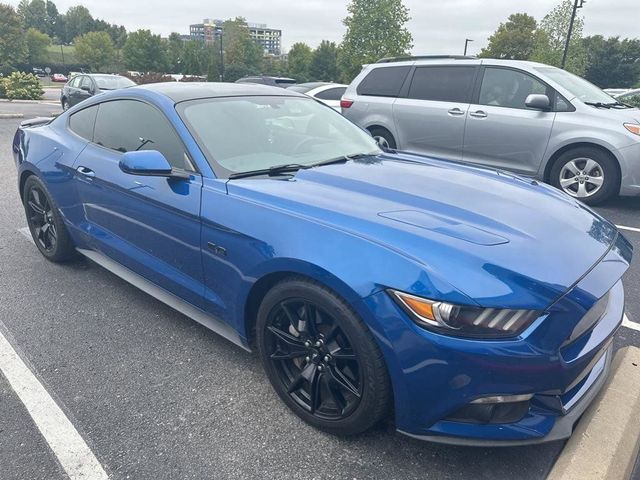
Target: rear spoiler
{"points": [[36, 122]]}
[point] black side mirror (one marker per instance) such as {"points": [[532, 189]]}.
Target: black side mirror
{"points": [[538, 101], [86, 88]]}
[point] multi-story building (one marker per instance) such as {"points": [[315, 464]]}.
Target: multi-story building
{"points": [[268, 38]]}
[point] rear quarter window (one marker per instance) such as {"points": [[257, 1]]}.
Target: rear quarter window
{"points": [[383, 81], [81, 123]]}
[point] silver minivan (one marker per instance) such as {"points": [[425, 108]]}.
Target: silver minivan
{"points": [[533, 119]]}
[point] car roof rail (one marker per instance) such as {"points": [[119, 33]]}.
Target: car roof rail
{"points": [[408, 58]]}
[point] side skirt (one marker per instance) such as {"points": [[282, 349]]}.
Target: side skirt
{"points": [[212, 323]]}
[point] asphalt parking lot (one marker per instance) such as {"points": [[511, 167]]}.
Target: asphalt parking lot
{"points": [[155, 395]]}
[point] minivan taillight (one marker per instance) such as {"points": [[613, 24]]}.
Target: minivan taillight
{"points": [[345, 103]]}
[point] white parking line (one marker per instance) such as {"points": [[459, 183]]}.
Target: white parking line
{"points": [[630, 229], [70, 449], [629, 324]]}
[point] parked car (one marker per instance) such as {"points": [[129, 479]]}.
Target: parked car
{"points": [[58, 77], [478, 306], [327, 92], [631, 97], [530, 118], [85, 85], [282, 82], [38, 72]]}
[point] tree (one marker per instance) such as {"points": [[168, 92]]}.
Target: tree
{"points": [[550, 42], [612, 62], [78, 21], [240, 51], [300, 57], [175, 51], [515, 39], [33, 14], [375, 29], [37, 43], [96, 49], [52, 18], [324, 64], [12, 43], [145, 52]]}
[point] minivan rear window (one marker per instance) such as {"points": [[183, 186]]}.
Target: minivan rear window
{"points": [[443, 84], [383, 81]]}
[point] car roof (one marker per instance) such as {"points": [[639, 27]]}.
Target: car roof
{"points": [[453, 59], [183, 91]]}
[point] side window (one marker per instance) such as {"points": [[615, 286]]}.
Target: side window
{"points": [[331, 93], [444, 84], [383, 81], [85, 82], [75, 82], [129, 125], [509, 88], [81, 123]]}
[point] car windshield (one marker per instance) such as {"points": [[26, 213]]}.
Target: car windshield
{"points": [[242, 134], [112, 82], [585, 91]]}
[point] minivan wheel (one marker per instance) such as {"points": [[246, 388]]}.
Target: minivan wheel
{"points": [[321, 359], [383, 137], [586, 173]]}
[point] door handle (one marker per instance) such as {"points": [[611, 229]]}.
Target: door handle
{"points": [[87, 172], [456, 111], [479, 114]]}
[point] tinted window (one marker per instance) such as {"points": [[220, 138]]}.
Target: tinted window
{"points": [[383, 81], [128, 125], [85, 82], [509, 88], [444, 84], [75, 82], [331, 93], [81, 123]]}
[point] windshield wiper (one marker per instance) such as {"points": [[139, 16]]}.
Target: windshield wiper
{"points": [[598, 104], [341, 159], [271, 171], [617, 104]]}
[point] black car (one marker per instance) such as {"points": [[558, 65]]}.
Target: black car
{"points": [[84, 86], [282, 82]]}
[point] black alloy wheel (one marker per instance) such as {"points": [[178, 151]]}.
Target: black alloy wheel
{"points": [[314, 359], [46, 225], [321, 358]]}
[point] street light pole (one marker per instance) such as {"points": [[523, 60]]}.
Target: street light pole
{"points": [[466, 43], [576, 5]]}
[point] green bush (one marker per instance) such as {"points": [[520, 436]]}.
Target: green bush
{"points": [[3, 90], [22, 86]]}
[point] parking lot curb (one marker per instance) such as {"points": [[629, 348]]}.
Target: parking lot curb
{"points": [[606, 441], [11, 115]]}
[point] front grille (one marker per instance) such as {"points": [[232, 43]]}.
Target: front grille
{"points": [[592, 317]]}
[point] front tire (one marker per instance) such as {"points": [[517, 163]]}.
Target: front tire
{"points": [[586, 173], [65, 104], [321, 358], [46, 225]]}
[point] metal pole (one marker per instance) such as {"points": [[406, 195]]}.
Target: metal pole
{"points": [[566, 44], [221, 58], [62, 53], [466, 43]]}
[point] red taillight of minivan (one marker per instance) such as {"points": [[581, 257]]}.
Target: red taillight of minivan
{"points": [[345, 103]]}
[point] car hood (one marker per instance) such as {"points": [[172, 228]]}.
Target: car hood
{"points": [[502, 240]]}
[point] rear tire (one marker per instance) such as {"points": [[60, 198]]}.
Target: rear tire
{"points": [[321, 359], [587, 174], [46, 225], [383, 137]]}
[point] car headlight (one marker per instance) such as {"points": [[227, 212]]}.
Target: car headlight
{"points": [[464, 321], [633, 128]]}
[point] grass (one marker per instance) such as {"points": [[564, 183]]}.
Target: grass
{"points": [[54, 55]]}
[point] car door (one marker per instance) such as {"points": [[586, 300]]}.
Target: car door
{"points": [[72, 89], [149, 224], [501, 130], [431, 118], [83, 91]]}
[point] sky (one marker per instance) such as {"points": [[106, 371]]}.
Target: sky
{"points": [[437, 26]]}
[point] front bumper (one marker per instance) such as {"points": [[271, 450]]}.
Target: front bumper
{"points": [[435, 376], [629, 160]]}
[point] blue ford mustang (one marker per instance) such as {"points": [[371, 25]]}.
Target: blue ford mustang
{"points": [[471, 305]]}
